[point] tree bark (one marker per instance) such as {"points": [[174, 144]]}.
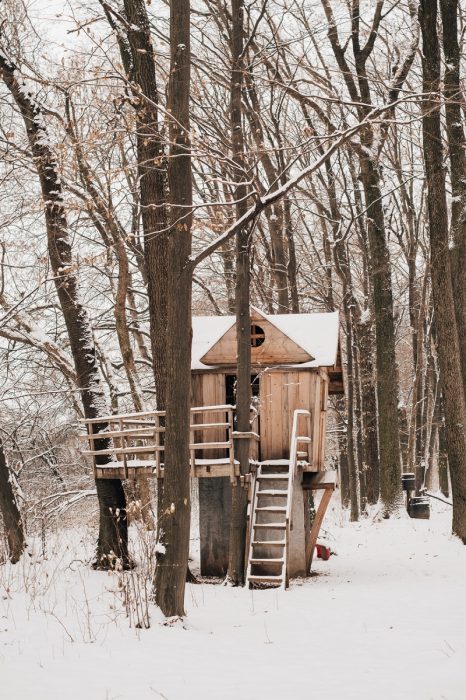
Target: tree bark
{"points": [[137, 53], [454, 101], [387, 372], [152, 170], [369, 413], [442, 289], [354, 483], [172, 564], [12, 521], [239, 501]]}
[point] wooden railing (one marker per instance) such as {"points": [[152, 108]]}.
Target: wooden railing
{"points": [[136, 439], [298, 437]]}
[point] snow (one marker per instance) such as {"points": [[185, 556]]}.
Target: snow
{"points": [[317, 333], [384, 618], [207, 330]]}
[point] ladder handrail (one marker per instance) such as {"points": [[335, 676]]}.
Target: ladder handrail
{"points": [[291, 477], [294, 449], [253, 507]]}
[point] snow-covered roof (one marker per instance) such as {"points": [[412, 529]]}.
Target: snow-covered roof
{"points": [[316, 333]]}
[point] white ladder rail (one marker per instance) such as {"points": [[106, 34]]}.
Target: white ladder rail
{"points": [[289, 504], [283, 578], [252, 522]]}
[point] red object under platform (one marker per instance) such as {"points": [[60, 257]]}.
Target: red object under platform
{"points": [[323, 552]]}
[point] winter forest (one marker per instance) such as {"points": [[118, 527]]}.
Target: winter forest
{"points": [[232, 349]]}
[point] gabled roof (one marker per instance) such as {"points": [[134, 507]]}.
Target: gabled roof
{"points": [[275, 346], [317, 334]]}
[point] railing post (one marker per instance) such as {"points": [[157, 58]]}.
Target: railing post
{"points": [[192, 452], [157, 444], [310, 445], [123, 445], [90, 431]]}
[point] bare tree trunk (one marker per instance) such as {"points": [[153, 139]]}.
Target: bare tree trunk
{"points": [[443, 470], [442, 288], [454, 101], [152, 170], [275, 215], [292, 263], [239, 500], [172, 564], [344, 470], [228, 259], [387, 373], [113, 531], [114, 238], [12, 521], [369, 413], [358, 86], [354, 484], [414, 457]]}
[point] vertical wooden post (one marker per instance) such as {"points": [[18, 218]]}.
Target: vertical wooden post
{"points": [[157, 445], [192, 452], [123, 445], [90, 432], [315, 529]]}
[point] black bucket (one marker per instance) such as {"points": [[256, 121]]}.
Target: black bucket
{"points": [[408, 481], [419, 507]]}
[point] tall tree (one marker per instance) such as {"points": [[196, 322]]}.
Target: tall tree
{"points": [[113, 531], [132, 27], [152, 170], [170, 573], [454, 113], [12, 521], [243, 318], [359, 88], [442, 287]]}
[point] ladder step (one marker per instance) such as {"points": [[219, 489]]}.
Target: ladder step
{"points": [[272, 543], [265, 579], [303, 438], [267, 561], [271, 509], [272, 492], [301, 454], [280, 476], [271, 526]]}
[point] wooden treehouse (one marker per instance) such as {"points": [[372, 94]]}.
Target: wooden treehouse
{"points": [[295, 366]]}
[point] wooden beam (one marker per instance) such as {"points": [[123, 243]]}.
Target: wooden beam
{"points": [[316, 525]]}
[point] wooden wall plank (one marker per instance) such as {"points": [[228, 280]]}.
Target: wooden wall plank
{"points": [[265, 397], [214, 494], [214, 525], [324, 389], [317, 447], [276, 415]]}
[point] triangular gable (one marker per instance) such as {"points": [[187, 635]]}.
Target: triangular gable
{"points": [[274, 348]]}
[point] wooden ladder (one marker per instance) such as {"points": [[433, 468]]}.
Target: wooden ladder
{"points": [[269, 543], [270, 522]]}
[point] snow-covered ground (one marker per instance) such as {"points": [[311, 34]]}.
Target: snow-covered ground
{"points": [[384, 619]]}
